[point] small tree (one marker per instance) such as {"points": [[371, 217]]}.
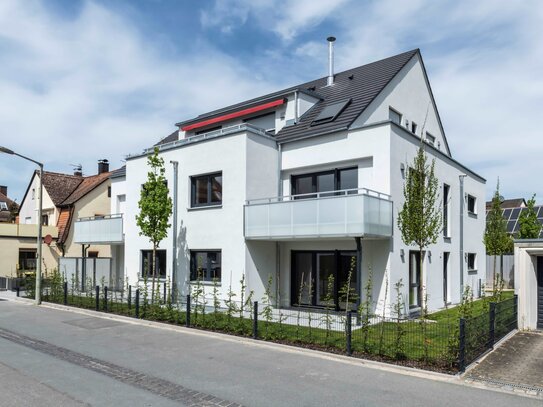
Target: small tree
{"points": [[529, 226], [420, 218], [155, 208], [496, 239]]}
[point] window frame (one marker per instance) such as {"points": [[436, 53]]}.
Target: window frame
{"points": [[314, 176], [209, 202], [207, 278], [413, 127], [430, 139], [391, 109], [446, 211], [474, 200], [4, 206], [149, 254], [471, 258]]}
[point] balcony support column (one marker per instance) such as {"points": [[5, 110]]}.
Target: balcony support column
{"points": [[358, 241]]}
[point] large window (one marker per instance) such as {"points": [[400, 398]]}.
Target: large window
{"points": [[147, 263], [332, 180], [205, 265], [446, 211], [311, 273], [206, 190], [27, 259], [415, 291]]}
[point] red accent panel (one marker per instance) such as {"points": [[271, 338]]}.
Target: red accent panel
{"points": [[229, 116]]}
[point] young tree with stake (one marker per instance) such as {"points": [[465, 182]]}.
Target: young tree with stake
{"points": [[155, 207], [496, 239], [420, 219]]}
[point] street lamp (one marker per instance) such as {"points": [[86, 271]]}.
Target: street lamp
{"points": [[40, 208]]}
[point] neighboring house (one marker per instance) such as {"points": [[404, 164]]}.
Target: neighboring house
{"points": [[511, 210], [297, 183], [7, 206], [505, 265], [66, 198]]}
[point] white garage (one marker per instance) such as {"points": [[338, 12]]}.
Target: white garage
{"points": [[529, 283]]}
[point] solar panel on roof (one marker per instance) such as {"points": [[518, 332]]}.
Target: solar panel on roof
{"points": [[330, 112], [539, 210], [515, 213], [511, 226], [507, 213]]}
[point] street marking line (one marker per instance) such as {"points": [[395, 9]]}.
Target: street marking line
{"points": [[152, 384]]}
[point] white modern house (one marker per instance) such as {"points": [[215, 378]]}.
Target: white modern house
{"points": [[297, 183]]}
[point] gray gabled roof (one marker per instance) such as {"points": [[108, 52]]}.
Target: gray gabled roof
{"points": [[359, 85]]}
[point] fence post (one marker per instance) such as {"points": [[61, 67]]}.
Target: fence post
{"points": [[255, 320], [492, 325], [105, 298], [65, 288], [349, 332], [137, 303], [97, 298], [462, 345], [187, 319], [129, 297], [515, 310], [164, 293], [18, 290]]}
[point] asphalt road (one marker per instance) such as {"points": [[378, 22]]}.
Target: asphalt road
{"points": [[58, 358]]}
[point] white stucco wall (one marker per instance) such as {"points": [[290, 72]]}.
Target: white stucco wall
{"points": [[248, 165], [409, 94], [29, 206], [526, 284], [403, 150]]}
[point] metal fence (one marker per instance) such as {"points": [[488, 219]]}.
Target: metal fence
{"points": [[445, 345], [479, 334]]}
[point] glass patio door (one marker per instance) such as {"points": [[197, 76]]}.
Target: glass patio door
{"points": [[414, 280], [326, 268]]}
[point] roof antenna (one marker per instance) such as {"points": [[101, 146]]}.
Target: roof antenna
{"points": [[78, 169], [330, 40]]}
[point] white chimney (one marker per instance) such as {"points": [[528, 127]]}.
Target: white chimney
{"points": [[330, 60]]}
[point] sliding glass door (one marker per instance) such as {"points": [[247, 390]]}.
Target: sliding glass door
{"points": [[316, 275]]}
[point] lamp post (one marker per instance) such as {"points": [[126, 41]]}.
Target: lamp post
{"points": [[40, 208]]}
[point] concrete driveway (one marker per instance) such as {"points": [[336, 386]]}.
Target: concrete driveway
{"points": [[517, 364]]}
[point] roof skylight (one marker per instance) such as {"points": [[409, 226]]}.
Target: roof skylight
{"points": [[331, 112]]}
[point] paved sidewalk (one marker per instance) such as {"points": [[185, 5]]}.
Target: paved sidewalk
{"points": [[79, 356], [517, 363]]}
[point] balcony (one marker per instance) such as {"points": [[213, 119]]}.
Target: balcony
{"points": [[24, 230], [99, 230], [334, 214]]}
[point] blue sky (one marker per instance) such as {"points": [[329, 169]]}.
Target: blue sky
{"points": [[84, 80]]}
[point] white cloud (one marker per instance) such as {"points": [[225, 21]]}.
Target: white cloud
{"points": [[285, 18], [74, 91]]}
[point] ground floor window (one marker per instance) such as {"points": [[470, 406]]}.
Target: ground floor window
{"points": [[415, 288], [317, 277], [27, 259], [147, 263], [205, 265]]}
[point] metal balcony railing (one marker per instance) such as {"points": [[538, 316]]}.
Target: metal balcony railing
{"points": [[346, 213]]}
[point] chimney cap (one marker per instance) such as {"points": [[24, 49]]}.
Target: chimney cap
{"points": [[331, 39]]}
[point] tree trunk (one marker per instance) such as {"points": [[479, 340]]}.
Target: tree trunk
{"points": [[153, 274]]}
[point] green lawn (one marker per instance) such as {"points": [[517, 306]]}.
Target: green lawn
{"points": [[433, 342]]}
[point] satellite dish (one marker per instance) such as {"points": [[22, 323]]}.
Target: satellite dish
{"points": [[48, 239]]}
